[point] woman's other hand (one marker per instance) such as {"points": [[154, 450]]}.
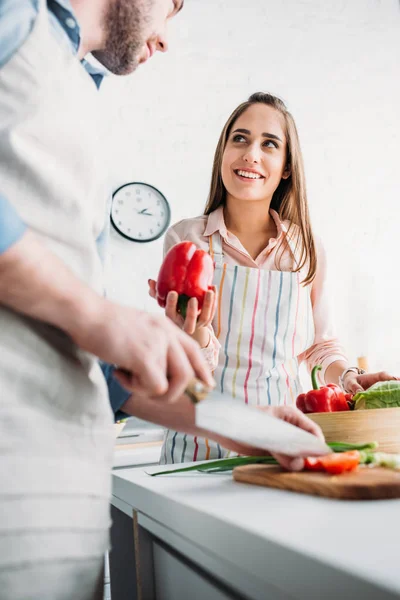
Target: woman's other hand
{"points": [[293, 415], [354, 383]]}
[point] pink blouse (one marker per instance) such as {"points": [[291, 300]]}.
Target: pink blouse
{"points": [[326, 348]]}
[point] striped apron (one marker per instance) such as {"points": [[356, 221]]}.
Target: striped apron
{"points": [[264, 321]]}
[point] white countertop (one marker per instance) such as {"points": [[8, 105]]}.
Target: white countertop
{"points": [[324, 548], [138, 445]]}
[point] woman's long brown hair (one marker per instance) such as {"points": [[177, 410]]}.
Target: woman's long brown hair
{"points": [[290, 197]]}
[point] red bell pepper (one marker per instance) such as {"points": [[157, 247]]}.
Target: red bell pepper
{"points": [[350, 401], [329, 398], [335, 464], [187, 271]]}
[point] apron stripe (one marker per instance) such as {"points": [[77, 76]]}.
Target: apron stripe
{"points": [[196, 449], [165, 446], [288, 317], [288, 385], [229, 328], [210, 243], [294, 374], [284, 340], [221, 287], [262, 370], [207, 449], [173, 447], [277, 319], [246, 285], [297, 312], [246, 381], [295, 378], [278, 387], [269, 390], [275, 335], [184, 448]]}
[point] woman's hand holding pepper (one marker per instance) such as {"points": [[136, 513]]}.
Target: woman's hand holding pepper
{"points": [[195, 323]]}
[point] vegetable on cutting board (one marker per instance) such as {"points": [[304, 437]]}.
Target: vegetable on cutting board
{"points": [[335, 463], [187, 271], [344, 458], [329, 398], [384, 394]]}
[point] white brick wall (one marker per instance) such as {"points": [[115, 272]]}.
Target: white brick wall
{"points": [[337, 65]]}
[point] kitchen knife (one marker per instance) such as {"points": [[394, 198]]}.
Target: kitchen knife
{"points": [[221, 414]]}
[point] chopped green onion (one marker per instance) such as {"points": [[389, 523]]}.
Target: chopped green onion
{"points": [[227, 464], [346, 447], [222, 463]]}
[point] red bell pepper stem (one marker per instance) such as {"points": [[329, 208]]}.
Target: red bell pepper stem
{"points": [[314, 380], [328, 398], [182, 304]]}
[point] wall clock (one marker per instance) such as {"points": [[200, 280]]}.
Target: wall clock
{"points": [[140, 212]]}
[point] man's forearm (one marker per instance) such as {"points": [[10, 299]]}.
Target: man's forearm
{"points": [[179, 415], [36, 283]]}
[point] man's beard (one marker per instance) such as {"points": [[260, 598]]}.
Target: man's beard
{"points": [[125, 24]]}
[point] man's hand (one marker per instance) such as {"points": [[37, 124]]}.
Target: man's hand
{"points": [[180, 416], [154, 356]]}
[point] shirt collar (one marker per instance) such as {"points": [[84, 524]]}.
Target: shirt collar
{"points": [[95, 69], [63, 12], [216, 222]]}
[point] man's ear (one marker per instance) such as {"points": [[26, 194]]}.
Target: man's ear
{"points": [[287, 172]]}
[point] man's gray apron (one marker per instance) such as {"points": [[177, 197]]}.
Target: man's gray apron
{"points": [[56, 434]]}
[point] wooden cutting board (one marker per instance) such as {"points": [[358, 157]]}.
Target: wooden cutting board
{"points": [[364, 484]]}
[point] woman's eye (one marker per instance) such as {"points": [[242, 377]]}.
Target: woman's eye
{"points": [[270, 144], [238, 138]]}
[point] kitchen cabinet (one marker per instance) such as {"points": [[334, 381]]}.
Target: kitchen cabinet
{"points": [[138, 445], [206, 536], [176, 578]]}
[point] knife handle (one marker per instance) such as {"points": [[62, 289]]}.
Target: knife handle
{"points": [[197, 390]]}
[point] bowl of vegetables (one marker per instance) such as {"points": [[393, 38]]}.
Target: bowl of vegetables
{"points": [[373, 414]]}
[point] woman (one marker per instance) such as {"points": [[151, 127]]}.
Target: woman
{"points": [[272, 310]]}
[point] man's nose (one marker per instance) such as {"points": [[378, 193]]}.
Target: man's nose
{"points": [[162, 43]]}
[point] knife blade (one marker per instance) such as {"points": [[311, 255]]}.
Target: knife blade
{"points": [[221, 414]]}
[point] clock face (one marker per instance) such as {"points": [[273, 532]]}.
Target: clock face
{"points": [[139, 212]]}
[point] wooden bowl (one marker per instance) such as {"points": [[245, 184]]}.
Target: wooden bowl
{"points": [[375, 425]]}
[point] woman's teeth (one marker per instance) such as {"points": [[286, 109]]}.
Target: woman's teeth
{"points": [[248, 174]]}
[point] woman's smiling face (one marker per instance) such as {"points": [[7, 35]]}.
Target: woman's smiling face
{"points": [[254, 158]]}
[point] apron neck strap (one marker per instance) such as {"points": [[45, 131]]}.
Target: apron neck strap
{"points": [[215, 245]]}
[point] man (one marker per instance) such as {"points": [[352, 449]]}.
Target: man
{"points": [[55, 426]]}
